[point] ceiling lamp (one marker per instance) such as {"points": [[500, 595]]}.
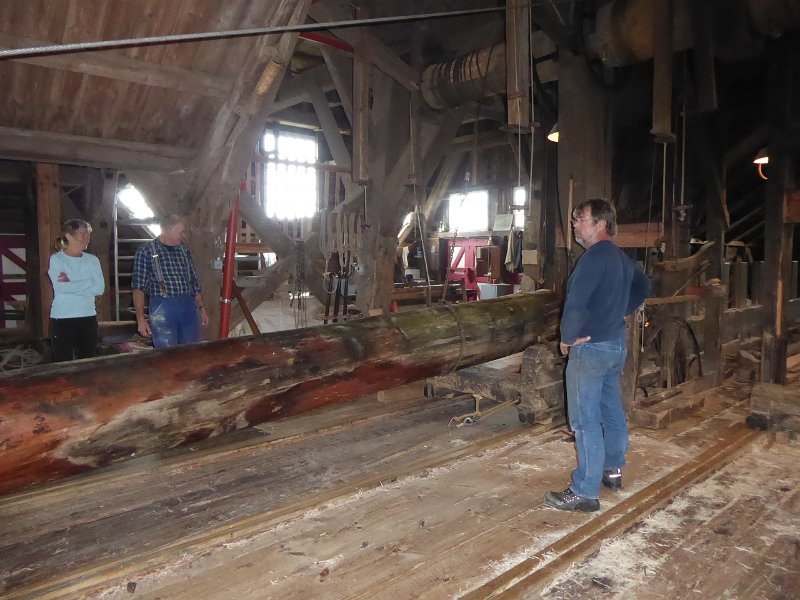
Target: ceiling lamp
{"points": [[762, 158], [553, 135]]}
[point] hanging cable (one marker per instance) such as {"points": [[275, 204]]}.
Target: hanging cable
{"points": [[413, 138]]}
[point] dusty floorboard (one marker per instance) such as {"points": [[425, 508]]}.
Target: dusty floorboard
{"points": [[437, 533]]}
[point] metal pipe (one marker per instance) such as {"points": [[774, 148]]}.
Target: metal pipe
{"points": [[67, 418], [234, 33]]}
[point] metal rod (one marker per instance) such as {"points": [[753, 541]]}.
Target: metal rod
{"points": [[234, 33]]}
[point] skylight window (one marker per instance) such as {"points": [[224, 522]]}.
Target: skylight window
{"points": [[133, 202]]}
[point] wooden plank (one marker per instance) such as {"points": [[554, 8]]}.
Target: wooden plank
{"points": [[139, 404], [48, 211], [638, 235], [25, 144], [533, 573], [361, 116], [123, 68], [774, 398]]}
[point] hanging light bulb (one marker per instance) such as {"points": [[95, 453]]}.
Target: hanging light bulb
{"points": [[553, 135]]}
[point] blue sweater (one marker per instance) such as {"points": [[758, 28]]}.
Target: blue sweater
{"points": [[605, 286], [75, 298]]}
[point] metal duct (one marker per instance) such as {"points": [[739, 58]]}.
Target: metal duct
{"points": [[474, 76]]}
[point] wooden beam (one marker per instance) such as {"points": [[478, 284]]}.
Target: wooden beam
{"points": [[792, 211], [27, 144], [361, 112], [330, 128], [340, 67], [48, 211], [294, 90], [123, 68], [102, 190], [376, 51]]}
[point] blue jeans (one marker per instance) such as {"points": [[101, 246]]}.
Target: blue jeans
{"points": [[596, 414], [174, 320]]}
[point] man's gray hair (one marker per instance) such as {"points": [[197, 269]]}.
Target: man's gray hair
{"points": [[601, 210], [170, 220]]}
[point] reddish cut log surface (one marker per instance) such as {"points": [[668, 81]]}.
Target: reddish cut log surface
{"points": [[67, 418]]}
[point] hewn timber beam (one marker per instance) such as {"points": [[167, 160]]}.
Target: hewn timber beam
{"points": [[340, 67], [48, 217], [68, 418], [376, 51], [330, 130], [294, 90], [123, 68], [27, 144]]}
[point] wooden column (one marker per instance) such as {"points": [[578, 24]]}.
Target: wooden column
{"points": [[779, 234], [48, 211], [102, 191], [584, 146]]}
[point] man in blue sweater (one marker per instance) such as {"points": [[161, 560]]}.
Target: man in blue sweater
{"points": [[605, 286]]}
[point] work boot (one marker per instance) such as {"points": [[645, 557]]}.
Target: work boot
{"points": [[612, 479], [569, 500]]}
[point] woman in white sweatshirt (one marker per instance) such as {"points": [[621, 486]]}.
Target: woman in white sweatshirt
{"points": [[77, 278]]}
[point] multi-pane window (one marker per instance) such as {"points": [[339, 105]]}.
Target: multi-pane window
{"points": [[469, 212], [290, 175]]}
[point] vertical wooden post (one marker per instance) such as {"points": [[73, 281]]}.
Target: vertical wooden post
{"points": [[518, 57], [715, 303], [48, 211], [102, 192], [361, 89], [779, 234]]}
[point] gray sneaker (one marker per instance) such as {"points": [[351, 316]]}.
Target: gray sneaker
{"points": [[569, 500], [612, 479]]}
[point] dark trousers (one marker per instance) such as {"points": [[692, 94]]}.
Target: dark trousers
{"points": [[73, 338]]}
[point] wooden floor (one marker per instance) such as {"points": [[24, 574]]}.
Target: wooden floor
{"points": [[386, 498]]}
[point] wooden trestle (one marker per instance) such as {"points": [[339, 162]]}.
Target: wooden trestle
{"points": [[67, 418]]}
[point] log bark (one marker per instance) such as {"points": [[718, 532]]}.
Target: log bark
{"points": [[68, 418]]}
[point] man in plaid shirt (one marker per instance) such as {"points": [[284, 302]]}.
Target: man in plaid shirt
{"points": [[164, 272]]}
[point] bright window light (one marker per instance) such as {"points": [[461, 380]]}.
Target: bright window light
{"points": [[290, 187], [519, 201], [469, 212], [133, 201]]}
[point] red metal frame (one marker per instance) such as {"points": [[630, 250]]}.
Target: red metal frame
{"points": [[463, 265], [229, 267]]}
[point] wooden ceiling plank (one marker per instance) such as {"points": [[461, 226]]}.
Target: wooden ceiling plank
{"points": [[380, 54], [41, 146], [116, 66]]}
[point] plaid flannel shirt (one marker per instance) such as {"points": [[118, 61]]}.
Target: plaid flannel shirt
{"points": [[175, 265]]}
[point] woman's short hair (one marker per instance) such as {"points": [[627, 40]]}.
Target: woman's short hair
{"points": [[601, 210], [70, 227]]}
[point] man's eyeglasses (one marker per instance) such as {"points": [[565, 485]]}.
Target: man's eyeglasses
{"points": [[575, 221]]}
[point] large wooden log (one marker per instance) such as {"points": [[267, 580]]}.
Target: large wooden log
{"points": [[68, 418]]}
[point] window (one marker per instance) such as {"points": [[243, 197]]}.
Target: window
{"points": [[133, 201], [519, 201], [469, 212], [290, 175]]}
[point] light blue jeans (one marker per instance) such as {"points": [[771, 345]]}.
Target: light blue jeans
{"points": [[173, 321], [596, 415]]}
